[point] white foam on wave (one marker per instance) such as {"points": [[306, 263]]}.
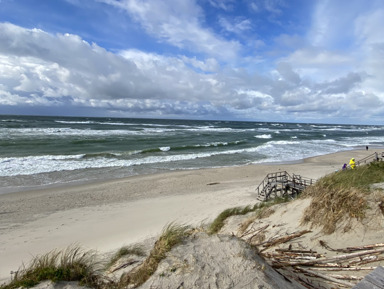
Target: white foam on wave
{"points": [[358, 141], [264, 136], [75, 122], [281, 150], [39, 132], [45, 164], [293, 150]]}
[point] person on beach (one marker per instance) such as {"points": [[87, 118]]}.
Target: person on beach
{"points": [[344, 167], [352, 163]]}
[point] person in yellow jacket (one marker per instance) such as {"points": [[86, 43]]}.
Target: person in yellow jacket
{"points": [[352, 163]]}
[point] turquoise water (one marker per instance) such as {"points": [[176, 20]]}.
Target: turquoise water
{"points": [[37, 151]]}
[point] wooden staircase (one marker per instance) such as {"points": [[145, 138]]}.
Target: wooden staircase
{"points": [[282, 184]]}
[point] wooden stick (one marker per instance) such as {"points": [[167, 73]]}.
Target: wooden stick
{"points": [[351, 249], [346, 277], [369, 261], [295, 251], [124, 265], [317, 274], [258, 231], [285, 239], [249, 231], [343, 268], [336, 258]]}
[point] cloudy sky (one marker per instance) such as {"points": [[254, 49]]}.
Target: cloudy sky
{"points": [[264, 60]]}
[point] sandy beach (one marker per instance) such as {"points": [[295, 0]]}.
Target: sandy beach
{"points": [[105, 216]]}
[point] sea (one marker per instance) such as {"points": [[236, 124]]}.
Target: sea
{"points": [[41, 151]]}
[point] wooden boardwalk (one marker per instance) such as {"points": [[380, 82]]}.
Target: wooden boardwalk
{"points": [[282, 184]]}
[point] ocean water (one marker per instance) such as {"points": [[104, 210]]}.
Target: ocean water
{"points": [[41, 151]]}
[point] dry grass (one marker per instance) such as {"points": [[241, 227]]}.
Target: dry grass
{"points": [[329, 207], [264, 213], [341, 196], [171, 236]]}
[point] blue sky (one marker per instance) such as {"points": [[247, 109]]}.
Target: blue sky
{"points": [[263, 60]]}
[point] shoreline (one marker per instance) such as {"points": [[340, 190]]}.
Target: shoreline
{"points": [[109, 214], [75, 183]]}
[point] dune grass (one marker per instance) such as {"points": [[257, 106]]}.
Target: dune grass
{"points": [[341, 196], [172, 235], [72, 264], [258, 208], [126, 250]]}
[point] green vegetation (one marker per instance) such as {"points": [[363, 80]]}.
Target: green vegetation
{"points": [[259, 208], [72, 264], [127, 250], [171, 236], [341, 196]]}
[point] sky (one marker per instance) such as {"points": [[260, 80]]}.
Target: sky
{"points": [[258, 60]]}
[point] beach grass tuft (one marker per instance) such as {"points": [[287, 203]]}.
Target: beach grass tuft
{"points": [[126, 250], [259, 208], [341, 196], [172, 235], [218, 223], [72, 264]]}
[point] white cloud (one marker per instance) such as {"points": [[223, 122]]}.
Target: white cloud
{"points": [[226, 5], [237, 26], [178, 23], [312, 80], [369, 37]]}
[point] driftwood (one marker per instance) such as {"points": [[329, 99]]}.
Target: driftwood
{"points": [[351, 249], [289, 250], [305, 264], [344, 268], [254, 232], [281, 240], [131, 262], [313, 264], [339, 258], [326, 277], [346, 277], [369, 259]]}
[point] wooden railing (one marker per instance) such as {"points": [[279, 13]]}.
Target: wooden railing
{"points": [[281, 184], [371, 158]]}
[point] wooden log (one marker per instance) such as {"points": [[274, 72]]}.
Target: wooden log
{"points": [[131, 262], [343, 268], [295, 251], [370, 261], [339, 258], [351, 249], [346, 277], [326, 277]]}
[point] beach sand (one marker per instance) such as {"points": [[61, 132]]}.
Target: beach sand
{"points": [[108, 215]]}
